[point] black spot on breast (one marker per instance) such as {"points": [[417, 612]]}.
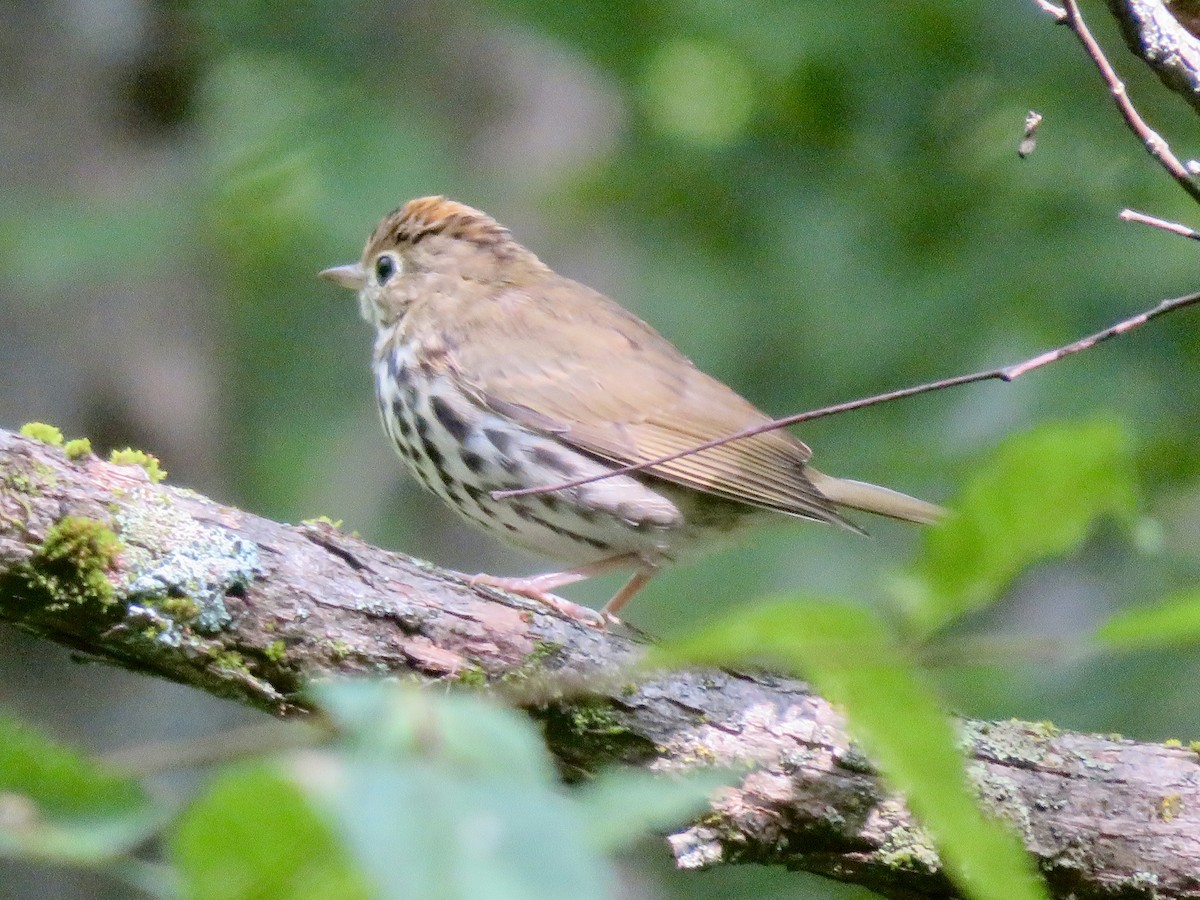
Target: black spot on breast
{"points": [[478, 518], [453, 492], [451, 421], [501, 440], [473, 461], [398, 371], [434, 454], [400, 413], [550, 459], [567, 533], [424, 476]]}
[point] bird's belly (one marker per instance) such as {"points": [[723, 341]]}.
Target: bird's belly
{"points": [[463, 452]]}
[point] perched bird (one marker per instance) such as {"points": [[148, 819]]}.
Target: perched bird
{"points": [[493, 373]]}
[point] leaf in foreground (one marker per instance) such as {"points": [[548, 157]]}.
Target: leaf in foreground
{"points": [[253, 834], [852, 660], [1038, 497], [1171, 622], [57, 805], [450, 795]]}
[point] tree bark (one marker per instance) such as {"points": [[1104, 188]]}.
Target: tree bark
{"points": [[1163, 36], [162, 580]]}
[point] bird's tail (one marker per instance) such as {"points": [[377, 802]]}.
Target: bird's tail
{"points": [[875, 499]]}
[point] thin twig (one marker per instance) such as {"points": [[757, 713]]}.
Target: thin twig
{"points": [[1005, 373], [1059, 14], [1155, 144], [1131, 215]]}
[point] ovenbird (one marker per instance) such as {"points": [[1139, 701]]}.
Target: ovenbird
{"points": [[493, 372]]}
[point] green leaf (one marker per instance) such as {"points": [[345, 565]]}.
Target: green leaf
{"points": [[1037, 498], [423, 831], [254, 835], [1173, 621], [852, 660], [622, 806], [462, 731], [57, 805]]}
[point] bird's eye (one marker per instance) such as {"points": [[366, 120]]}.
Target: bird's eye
{"points": [[385, 267]]}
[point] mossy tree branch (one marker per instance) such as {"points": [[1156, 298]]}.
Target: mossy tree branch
{"points": [[164, 581]]}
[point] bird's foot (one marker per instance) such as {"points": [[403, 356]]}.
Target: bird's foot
{"points": [[535, 588]]}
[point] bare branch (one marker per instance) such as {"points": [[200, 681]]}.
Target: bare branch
{"points": [[1059, 14], [1006, 373], [1129, 215], [253, 610]]}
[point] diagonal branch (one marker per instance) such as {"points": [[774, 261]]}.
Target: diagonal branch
{"points": [[165, 581]]}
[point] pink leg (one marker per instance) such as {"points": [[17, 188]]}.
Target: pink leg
{"points": [[625, 594], [538, 587]]}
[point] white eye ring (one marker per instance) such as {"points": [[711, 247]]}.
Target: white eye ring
{"points": [[386, 265]]}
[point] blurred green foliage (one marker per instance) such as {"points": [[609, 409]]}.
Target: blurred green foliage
{"points": [[60, 807], [424, 796], [814, 201], [1039, 497]]}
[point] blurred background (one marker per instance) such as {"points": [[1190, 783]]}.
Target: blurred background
{"points": [[814, 201]]}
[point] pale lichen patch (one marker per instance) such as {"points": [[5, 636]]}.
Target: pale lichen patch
{"points": [[170, 555]]}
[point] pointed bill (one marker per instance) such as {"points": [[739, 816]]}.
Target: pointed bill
{"points": [[349, 276]]}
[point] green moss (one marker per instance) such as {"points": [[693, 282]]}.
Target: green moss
{"points": [[20, 483], [1194, 746], [19, 488], [1172, 742], [472, 676], [181, 609], [908, 848], [230, 660], [1169, 807], [131, 457], [40, 431], [543, 650], [322, 520], [78, 448], [534, 663], [73, 563], [596, 719], [275, 651], [588, 734], [339, 649]]}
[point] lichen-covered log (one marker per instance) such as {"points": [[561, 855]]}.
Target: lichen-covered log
{"points": [[159, 579]]}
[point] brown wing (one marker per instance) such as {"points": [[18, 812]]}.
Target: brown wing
{"points": [[583, 368]]}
